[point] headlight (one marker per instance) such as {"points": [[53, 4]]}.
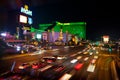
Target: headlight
{"points": [[18, 48]]}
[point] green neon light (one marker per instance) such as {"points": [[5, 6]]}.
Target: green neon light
{"points": [[75, 28]]}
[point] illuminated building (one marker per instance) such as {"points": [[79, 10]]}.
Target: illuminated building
{"points": [[62, 31]]}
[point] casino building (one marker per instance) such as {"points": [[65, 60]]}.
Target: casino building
{"points": [[60, 31]]}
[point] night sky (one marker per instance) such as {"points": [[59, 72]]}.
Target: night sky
{"points": [[102, 17]]}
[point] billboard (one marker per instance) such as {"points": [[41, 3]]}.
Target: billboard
{"points": [[106, 39], [23, 19]]}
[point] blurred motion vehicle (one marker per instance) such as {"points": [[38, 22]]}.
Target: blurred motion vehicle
{"points": [[79, 52], [79, 57], [66, 76], [48, 59], [11, 76], [61, 57], [85, 52], [29, 48], [73, 61], [72, 55], [91, 67], [59, 68], [78, 66], [24, 68], [54, 73], [86, 58], [47, 47], [91, 53], [93, 61], [6, 48], [37, 65], [45, 68]]}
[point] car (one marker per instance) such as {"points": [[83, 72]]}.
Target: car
{"points": [[85, 52], [45, 68], [73, 55], [59, 68], [78, 66], [53, 73], [37, 65], [48, 59], [24, 66], [86, 58], [79, 52], [73, 61], [91, 67], [61, 57], [79, 57], [66, 76], [11, 76], [91, 53], [93, 61]]}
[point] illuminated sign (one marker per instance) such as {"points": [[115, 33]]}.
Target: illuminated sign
{"points": [[26, 11], [30, 21], [26, 28], [106, 39], [23, 19]]}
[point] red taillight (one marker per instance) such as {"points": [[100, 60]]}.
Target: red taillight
{"points": [[35, 66], [78, 66], [49, 61]]}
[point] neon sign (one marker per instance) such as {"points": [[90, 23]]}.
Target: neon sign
{"points": [[26, 11], [30, 21]]}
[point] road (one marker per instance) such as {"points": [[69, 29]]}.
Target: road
{"points": [[103, 68], [6, 62]]}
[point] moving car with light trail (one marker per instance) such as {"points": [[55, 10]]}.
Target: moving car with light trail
{"points": [[53, 73], [48, 59], [24, 66], [78, 66], [91, 68], [73, 61], [66, 76]]}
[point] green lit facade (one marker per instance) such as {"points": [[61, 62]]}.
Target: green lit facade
{"points": [[75, 28]]}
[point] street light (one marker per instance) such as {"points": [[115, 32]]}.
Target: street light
{"points": [[4, 35]]}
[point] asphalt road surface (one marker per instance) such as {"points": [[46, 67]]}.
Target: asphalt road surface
{"points": [[103, 70]]}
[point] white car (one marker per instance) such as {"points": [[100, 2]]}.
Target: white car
{"points": [[73, 61]]}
